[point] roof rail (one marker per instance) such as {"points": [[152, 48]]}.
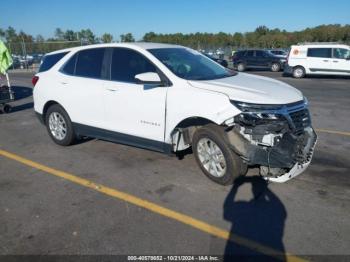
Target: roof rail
{"points": [[321, 43]]}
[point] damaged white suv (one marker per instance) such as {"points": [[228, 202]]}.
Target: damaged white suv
{"points": [[170, 98]]}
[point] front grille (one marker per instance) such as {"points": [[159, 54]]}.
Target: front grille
{"points": [[300, 120]]}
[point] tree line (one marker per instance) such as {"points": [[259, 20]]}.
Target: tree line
{"points": [[261, 37]]}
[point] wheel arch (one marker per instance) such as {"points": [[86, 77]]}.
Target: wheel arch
{"points": [[181, 135], [47, 105]]}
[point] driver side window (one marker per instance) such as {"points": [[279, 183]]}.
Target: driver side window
{"points": [[127, 63], [341, 53]]}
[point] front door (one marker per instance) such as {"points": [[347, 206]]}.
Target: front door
{"points": [[340, 61], [261, 59], [135, 111]]}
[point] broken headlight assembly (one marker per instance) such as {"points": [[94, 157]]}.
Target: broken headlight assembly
{"points": [[262, 114], [256, 115]]}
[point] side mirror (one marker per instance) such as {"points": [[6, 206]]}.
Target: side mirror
{"points": [[348, 58], [148, 78]]}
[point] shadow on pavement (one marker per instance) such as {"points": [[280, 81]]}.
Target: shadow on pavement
{"points": [[260, 219], [22, 92]]}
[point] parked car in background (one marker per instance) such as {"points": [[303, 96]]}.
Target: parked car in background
{"points": [[222, 62], [318, 59], [37, 58], [257, 59], [278, 52], [169, 98]]}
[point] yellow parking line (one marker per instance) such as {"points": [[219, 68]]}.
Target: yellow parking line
{"points": [[333, 132], [185, 219]]}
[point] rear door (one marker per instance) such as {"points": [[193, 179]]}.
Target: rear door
{"points": [[82, 82], [319, 60], [340, 61]]}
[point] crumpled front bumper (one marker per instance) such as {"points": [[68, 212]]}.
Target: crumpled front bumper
{"points": [[296, 170], [288, 159]]}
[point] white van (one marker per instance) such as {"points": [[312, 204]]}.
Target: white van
{"points": [[319, 59]]}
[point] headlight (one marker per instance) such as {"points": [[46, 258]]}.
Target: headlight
{"points": [[248, 107], [306, 102], [257, 114], [253, 119]]}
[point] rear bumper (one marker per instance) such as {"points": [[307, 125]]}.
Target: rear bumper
{"points": [[287, 69]]}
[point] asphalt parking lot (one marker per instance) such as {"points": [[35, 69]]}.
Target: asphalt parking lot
{"points": [[178, 211]]}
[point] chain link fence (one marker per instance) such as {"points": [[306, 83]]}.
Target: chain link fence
{"points": [[28, 56]]}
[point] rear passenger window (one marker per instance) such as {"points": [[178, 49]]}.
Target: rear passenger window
{"points": [[127, 63], [50, 60], [319, 52], [89, 62]]}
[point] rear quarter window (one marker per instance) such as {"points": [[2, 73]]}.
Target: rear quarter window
{"points": [[50, 60]]}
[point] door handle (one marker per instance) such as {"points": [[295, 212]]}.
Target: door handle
{"points": [[325, 60], [64, 83], [335, 61], [112, 90]]}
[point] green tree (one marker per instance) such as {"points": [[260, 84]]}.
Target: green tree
{"points": [[149, 37], [127, 38], [87, 36], [59, 34], [10, 34], [70, 35], [107, 38]]}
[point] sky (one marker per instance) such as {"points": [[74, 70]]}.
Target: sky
{"points": [[169, 16]]}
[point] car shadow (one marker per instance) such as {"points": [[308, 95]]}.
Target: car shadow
{"points": [[260, 220], [21, 92]]}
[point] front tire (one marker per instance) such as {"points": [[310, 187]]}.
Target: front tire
{"points": [[298, 72], [214, 156], [59, 126]]}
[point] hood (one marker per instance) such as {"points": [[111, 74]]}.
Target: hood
{"points": [[252, 89]]}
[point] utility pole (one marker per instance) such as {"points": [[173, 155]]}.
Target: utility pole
{"points": [[24, 51]]}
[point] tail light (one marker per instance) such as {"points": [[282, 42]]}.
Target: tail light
{"points": [[287, 58], [35, 80]]}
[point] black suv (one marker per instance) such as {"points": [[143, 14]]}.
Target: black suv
{"points": [[255, 58]]}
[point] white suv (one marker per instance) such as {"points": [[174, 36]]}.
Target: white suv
{"points": [[318, 58], [169, 98]]}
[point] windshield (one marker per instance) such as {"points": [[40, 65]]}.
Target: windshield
{"points": [[190, 64]]}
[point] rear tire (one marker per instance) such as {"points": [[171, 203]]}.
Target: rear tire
{"points": [[7, 109], [298, 72], [214, 156], [275, 67], [241, 67], [59, 126]]}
